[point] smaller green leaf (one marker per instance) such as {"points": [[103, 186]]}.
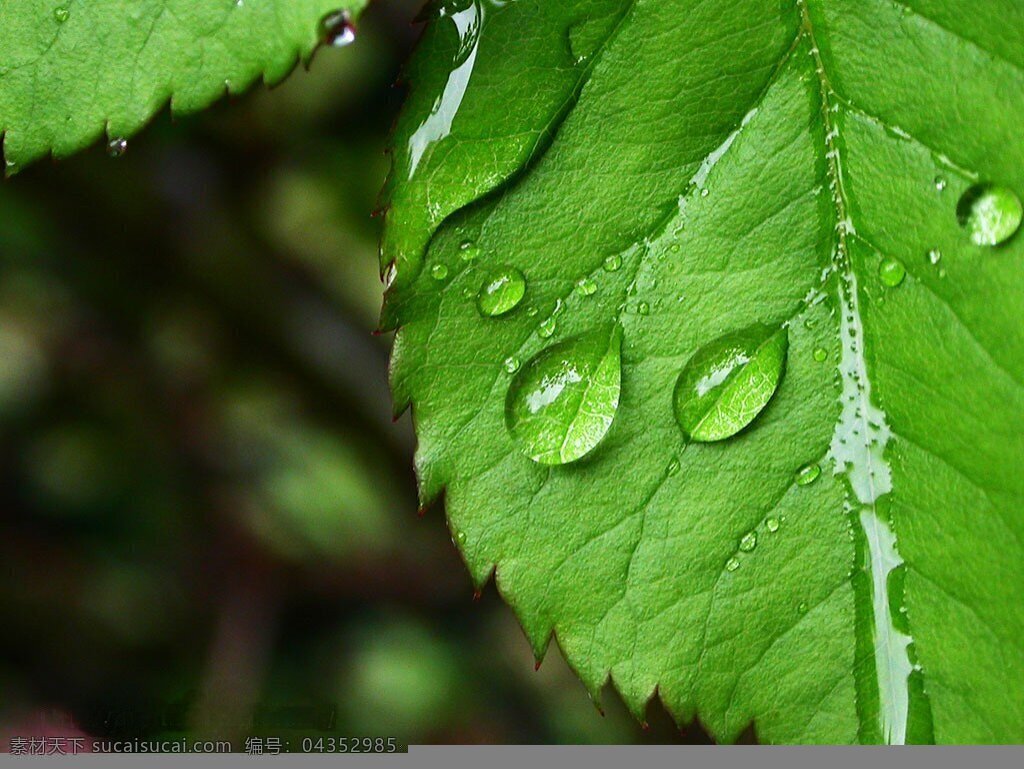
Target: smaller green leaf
{"points": [[729, 381], [562, 402]]}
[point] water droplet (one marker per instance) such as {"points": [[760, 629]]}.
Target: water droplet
{"points": [[808, 474], [643, 308], [390, 273], [673, 466], [468, 250], [61, 14], [934, 256], [547, 327], [501, 292], [439, 272], [891, 272], [732, 564], [729, 381], [820, 355], [749, 542], [772, 524], [940, 183], [612, 263], [337, 29], [512, 364], [802, 608], [990, 214], [704, 192], [586, 287], [461, 536], [117, 146], [561, 404]]}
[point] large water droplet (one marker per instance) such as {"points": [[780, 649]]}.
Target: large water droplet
{"points": [[808, 474], [337, 29], [989, 213], [891, 272], [727, 383], [561, 403], [501, 292]]}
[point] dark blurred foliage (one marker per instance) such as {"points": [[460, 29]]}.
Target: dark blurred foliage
{"points": [[209, 518]]}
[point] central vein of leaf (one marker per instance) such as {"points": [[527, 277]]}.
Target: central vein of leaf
{"points": [[861, 436]]}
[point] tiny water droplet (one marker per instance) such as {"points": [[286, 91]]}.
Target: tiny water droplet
{"points": [[990, 213], [61, 14], [468, 250], [561, 404], [643, 308], [934, 256], [337, 29], [704, 192], [547, 327], [940, 183], [117, 146], [891, 272], [772, 524], [808, 474], [502, 291], [390, 273], [732, 564], [820, 355], [802, 608], [612, 263], [749, 542], [673, 466], [674, 248], [461, 536], [586, 287], [512, 364], [729, 381], [439, 272]]}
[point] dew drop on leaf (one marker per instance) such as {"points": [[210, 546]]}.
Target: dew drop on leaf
{"points": [[772, 525], [802, 608], [117, 146], [468, 250], [643, 308], [749, 542], [586, 287], [808, 474], [990, 214], [612, 263], [502, 291], [934, 256], [891, 272], [940, 183], [732, 564], [337, 29], [439, 272], [547, 327], [61, 14], [561, 403], [728, 382], [512, 364], [820, 355]]}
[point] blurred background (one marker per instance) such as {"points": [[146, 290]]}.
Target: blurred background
{"points": [[209, 522]]}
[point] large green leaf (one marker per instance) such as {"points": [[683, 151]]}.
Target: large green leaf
{"points": [[753, 162], [74, 70]]}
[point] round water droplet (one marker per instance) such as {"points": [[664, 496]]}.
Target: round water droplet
{"points": [[337, 29], [891, 272], [643, 308], [704, 192], [821, 355], [934, 256], [729, 381], [749, 542], [990, 214], [547, 327], [501, 292], [561, 403], [439, 272], [586, 287], [802, 608], [612, 263], [940, 183], [512, 364], [732, 564], [808, 474], [461, 536], [772, 524], [61, 14], [468, 250], [117, 146]]}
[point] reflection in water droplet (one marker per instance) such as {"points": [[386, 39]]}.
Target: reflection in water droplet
{"points": [[808, 474], [439, 272], [586, 287], [612, 263], [749, 542], [547, 327], [117, 146], [732, 564], [501, 292], [772, 524], [561, 404], [512, 364], [729, 381], [891, 272], [990, 214], [337, 29]]}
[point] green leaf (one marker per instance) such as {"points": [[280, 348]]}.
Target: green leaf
{"points": [[708, 167], [74, 70]]}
